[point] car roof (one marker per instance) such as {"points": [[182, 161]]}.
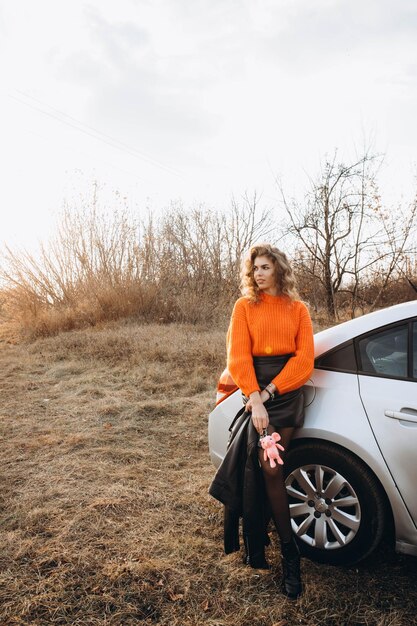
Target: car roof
{"points": [[331, 337]]}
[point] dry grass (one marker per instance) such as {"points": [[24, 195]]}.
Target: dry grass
{"points": [[105, 517]]}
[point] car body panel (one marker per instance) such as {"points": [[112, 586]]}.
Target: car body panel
{"points": [[352, 431], [393, 418], [218, 427]]}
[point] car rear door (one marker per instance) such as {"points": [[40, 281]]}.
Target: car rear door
{"points": [[388, 390]]}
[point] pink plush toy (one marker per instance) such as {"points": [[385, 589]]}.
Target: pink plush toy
{"points": [[271, 449]]}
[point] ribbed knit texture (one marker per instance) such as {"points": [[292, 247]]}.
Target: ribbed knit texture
{"points": [[274, 326]]}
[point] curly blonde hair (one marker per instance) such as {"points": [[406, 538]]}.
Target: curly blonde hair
{"points": [[283, 272]]}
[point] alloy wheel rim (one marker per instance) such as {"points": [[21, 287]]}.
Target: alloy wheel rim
{"points": [[324, 508]]}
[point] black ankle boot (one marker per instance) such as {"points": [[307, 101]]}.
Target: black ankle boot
{"points": [[291, 577]]}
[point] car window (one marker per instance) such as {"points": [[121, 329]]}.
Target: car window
{"points": [[341, 359], [385, 352], [415, 350]]}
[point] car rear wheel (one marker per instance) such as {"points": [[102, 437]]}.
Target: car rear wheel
{"points": [[337, 507]]}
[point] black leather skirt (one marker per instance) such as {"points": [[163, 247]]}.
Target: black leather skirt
{"points": [[286, 409]]}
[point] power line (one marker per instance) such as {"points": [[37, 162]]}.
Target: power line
{"points": [[134, 174], [95, 134]]}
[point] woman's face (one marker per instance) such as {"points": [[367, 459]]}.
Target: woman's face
{"points": [[264, 273]]}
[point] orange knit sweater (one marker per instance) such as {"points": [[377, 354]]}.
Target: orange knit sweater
{"points": [[273, 326]]}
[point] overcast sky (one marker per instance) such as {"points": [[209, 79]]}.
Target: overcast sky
{"points": [[196, 100]]}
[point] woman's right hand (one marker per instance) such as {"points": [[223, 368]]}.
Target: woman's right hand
{"points": [[260, 418]]}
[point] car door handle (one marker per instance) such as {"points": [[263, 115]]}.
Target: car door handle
{"points": [[403, 416]]}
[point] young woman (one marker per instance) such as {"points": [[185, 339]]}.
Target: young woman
{"points": [[270, 356]]}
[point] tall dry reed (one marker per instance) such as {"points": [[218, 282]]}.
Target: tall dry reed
{"points": [[180, 267]]}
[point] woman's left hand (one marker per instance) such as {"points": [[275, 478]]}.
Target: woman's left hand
{"points": [[264, 397]]}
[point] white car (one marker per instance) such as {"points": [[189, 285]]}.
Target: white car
{"points": [[352, 468]]}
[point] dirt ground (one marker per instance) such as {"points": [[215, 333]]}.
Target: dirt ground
{"points": [[104, 511]]}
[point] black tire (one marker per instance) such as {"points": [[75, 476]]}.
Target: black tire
{"points": [[345, 527]]}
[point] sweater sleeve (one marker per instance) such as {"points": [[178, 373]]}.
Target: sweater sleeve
{"points": [[239, 351], [298, 369]]}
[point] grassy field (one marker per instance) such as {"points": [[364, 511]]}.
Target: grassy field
{"points": [[105, 516]]}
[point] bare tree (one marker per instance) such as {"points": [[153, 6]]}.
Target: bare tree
{"points": [[244, 225], [198, 254], [342, 233]]}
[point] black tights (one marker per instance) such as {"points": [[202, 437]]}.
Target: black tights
{"points": [[275, 487]]}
